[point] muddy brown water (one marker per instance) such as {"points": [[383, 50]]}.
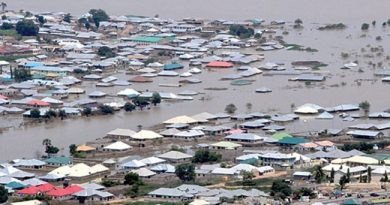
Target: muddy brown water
{"points": [[25, 141]]}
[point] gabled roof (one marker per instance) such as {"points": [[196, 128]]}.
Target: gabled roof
{"points": [[146, 134], [226, 145]]}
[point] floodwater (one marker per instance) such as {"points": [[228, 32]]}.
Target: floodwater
{"points": [[26, 141]]}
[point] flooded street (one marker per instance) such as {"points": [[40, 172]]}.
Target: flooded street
{"points": [[27, 141]]}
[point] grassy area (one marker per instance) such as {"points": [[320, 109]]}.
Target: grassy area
{"points": [[13, 58], [9, 32], [263, 184]]}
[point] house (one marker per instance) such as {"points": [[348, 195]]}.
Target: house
{"points": [[365, 134], [277, 160], [120, 133], [146, 135], [175, 156], [117, 146], [244, 137], [219, 64], [302, 175], [355, 173], [93, 195], [224, 145], [189, 134], [58, 161]]}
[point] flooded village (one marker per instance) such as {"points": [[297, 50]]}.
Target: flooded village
{"points": [[104, 108]]}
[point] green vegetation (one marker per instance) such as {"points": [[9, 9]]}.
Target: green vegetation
{"points": [[7, 26], [105, 51], [35, 113], [105, 109], [247, 178], [129, 107], [185, 172], [280, 189], [27, 28], [365, 106], [109, 183], [241, 31], [343, 181], [3, 194], [98, 15], [319, 175], [304, 191], [156, 98], [67, 18], [365, 26], [21, 75], [132, 178], [338, 26], [296, 47], [72, 149], [230, 109], [203, 156], [87, 111]]}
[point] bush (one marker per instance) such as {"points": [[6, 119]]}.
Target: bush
{"points": [[185, 172], [132, 178], [129, 107]]}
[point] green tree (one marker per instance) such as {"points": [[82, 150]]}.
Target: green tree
{"points": [[51, 150], [27, 28], [50, 113], [105, 109], [6, 26], [247, 178], [230, 109], [332, 173], [185, 172], [62, 114], [385, 178], [280, 189], [21, 75], [132, 178], [369, 170], [3, 194], [67, 18], [35, 113], [141, 102], [241, 31], [106, 52], [129, 107], [298, 21], [156, 98], [348, 176], [87, 111], [87, 25], [72, 149], [365, 26], [41, 20], [318, 174], [343, 181], [3, 6], [202, 156], [365, 106], [98, 15]]}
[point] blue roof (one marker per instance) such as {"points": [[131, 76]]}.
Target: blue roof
{"points": [[32, 64]]}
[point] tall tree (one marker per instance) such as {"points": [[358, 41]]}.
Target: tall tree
{"points": [[318, 174], [185, 172], [369, 170], [67, 18], [156, 98], [27, 28], [3, 194], [332, 172], [3, 6]]}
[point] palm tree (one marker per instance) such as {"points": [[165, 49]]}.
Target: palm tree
{"points": [[3, 6]]}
